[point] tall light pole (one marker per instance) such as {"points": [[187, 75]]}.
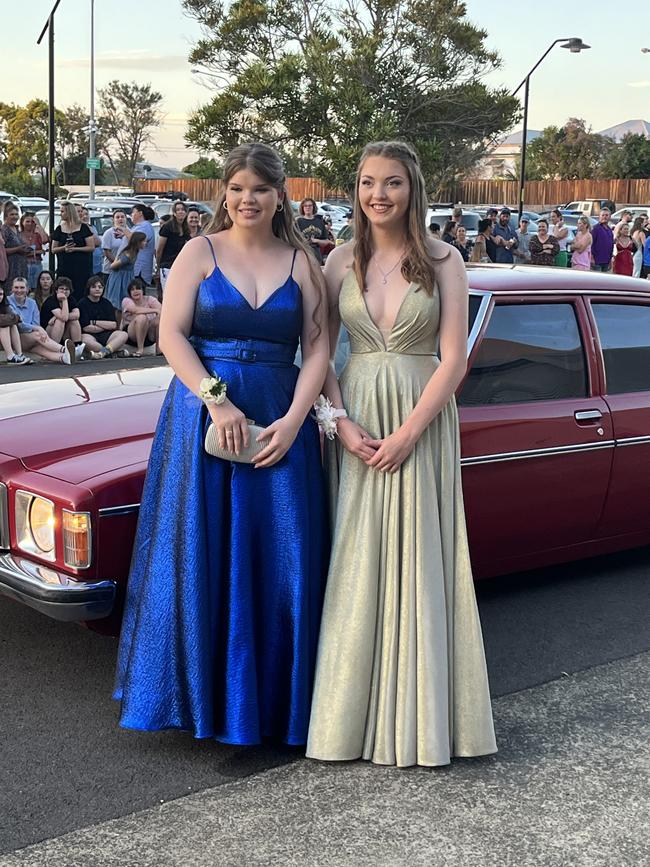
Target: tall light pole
{"points": [[51, 132], [575, 46], [92, 127]]}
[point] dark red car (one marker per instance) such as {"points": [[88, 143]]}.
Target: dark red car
{"points": [[555, 427]]}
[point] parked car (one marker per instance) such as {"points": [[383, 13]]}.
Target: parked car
{"points": [[99, 219], [442, 215], [555, 434], [589, 207], [164, 206]]}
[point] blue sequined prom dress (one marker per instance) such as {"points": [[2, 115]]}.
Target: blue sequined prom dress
{"points": [[224, 598]]}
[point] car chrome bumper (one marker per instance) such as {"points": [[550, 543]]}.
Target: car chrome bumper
{"points": [[52, 593]]}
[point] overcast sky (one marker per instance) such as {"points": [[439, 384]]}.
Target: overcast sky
{"points": [[149, 40]]}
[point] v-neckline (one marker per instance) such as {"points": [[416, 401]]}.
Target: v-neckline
{"points": [[244, 298], [385, 341]]}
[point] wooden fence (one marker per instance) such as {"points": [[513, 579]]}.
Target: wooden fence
{"points": [[208, 191], [537, 193]]}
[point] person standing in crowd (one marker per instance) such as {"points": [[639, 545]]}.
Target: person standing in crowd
{"points": [[457, 216], [73, 242], [313, 228], [60, 316], [34, 236], [99, 323], [9, 336], [434, 230], [490, 245], [122, 269], [602, 242], [400, 675], [114, 240], [479, 250], [626, 219], [15, 248], [522, 250], [141, 216], [449, 232], [645, 268], [4, 263], [346, 233], [140, 317], [639, 236], [581, 246], [505, 238], [98, 255], [561, 234], [194, 222], [543, 247], [172, 237], [461, 243], [34, 338], [43, 288], [623, 261]]}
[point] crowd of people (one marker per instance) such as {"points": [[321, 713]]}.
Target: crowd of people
{"points": [[102, 294], [625, 249]]}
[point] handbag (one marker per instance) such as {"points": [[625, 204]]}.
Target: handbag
{"points": [[7, 319], [245, 455]]}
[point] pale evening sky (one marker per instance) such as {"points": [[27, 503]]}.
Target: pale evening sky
{"points": [[149, 41]]}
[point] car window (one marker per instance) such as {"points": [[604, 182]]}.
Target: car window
{"points": [[625, 338], [474, 305], [529, 352]]}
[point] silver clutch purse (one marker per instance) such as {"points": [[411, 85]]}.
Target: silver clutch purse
{"points": [[245, 455]]}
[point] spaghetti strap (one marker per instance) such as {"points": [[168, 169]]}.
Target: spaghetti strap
{"points": [[211, 249], [293, 262]]}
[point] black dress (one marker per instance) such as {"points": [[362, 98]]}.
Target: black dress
{"points": [[77, 266]]}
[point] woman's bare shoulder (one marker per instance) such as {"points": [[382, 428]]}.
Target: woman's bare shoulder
{"points": [[438, 250]]}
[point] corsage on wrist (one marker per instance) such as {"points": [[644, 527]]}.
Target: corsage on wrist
{"points": [[212, 389], [326, 415]]}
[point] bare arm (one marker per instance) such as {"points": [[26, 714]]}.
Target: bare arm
{"points": [[581, 242], [452, 284], [159, 249]]}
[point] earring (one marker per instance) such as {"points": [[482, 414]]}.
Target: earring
{"points": [[225, 206], [280, 207]]}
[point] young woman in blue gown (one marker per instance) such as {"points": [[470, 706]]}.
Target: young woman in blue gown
{"points": [[224, 598]]}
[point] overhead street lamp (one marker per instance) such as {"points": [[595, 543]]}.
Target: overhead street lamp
{"points": [[51, 176], [575, 46]]}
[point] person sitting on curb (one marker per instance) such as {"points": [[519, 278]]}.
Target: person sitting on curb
{"points": [[9, 336], [33, 338], [140, 317], [60, 315], [99, 323]]}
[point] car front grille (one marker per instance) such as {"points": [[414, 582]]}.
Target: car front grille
{"points": [[4, 517]]}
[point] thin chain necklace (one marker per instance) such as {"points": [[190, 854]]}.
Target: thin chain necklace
{"points": [[386, 274]]}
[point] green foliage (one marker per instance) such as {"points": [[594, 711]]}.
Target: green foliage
{"points": [[629, 159], [570, 152], [204, 168], [129, 112], [322, 79]]}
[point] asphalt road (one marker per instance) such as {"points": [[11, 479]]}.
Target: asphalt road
{"points": [[40, 370], [64, 763]]}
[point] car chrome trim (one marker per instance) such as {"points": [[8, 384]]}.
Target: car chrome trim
{"points": [[598, 294], [587, 414], [480, 317], [114, 511], [633, 441], [4, 516], [537, 453], [54, 593]]}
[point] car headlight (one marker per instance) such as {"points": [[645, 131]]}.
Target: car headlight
{"points": [[35, 524], [76, 539]]}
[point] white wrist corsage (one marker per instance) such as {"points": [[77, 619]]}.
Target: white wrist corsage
{"points": [[212, 389], [326, 415]]}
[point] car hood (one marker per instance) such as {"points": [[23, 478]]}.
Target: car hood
{"points": [[76, 429]]}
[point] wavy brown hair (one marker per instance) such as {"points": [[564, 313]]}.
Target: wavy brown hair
{"points": [[418, 263], [264, 161]]}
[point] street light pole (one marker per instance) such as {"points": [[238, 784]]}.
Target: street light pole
{"points": [[575, 46], [92, 130], [51, 135]]}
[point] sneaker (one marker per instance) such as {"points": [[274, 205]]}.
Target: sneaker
{"points": [[68, 355], [123, 353], [96, 356], [79, 351], [19, 359]]}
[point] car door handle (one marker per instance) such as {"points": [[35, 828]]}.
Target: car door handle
{"points": [[588, 415]]}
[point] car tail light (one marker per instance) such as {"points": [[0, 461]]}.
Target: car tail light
{"points": [[76, 539]]}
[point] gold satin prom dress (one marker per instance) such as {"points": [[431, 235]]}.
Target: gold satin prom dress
{"points": [[401, 677]]}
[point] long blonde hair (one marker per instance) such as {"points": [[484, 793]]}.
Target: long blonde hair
{"points": [[418, 263], [70, 215], [264, 161]]}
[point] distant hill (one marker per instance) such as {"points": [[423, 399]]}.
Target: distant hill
{"points": [[638, 127]]}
